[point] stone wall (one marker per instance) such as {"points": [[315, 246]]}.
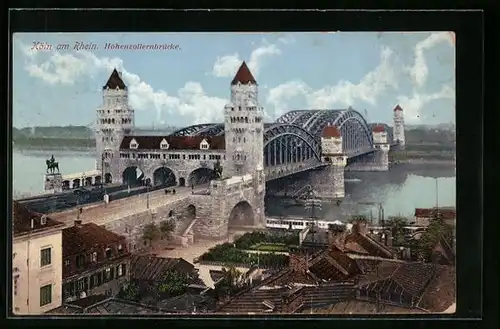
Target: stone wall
{"points": [[182, 168], [376, 161], [328, 183]]}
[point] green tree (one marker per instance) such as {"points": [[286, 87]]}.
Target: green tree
{"points": [[231, 280], [130, 292], [167, 227], [150, 232], [436, 230], [397, 224], [174, 283]]}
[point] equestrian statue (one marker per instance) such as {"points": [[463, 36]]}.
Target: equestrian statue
{"points": [[52, 165]]}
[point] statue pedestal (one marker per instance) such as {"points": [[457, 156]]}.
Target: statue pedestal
{"points": [[53, 183]]}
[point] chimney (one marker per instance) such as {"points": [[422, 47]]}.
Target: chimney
{"points": [[78, 222]]}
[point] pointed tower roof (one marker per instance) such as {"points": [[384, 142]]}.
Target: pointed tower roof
{"points": [[243, 76], [398, 108], [115, 80]]}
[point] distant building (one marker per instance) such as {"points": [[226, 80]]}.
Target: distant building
{"points": [[423, 216], [36, 262], [96, 261]]}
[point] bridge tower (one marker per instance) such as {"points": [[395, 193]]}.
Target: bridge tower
{"points": [[381, 143], [399, 127], [330, 181], [115, 119], [244, 126]]}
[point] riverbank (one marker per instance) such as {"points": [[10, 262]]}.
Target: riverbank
{"points": [[425, 161]]}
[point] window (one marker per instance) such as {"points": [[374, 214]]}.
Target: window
{"points": [[120, 248], [46, 295], [45, 257], [119, 270], [80, 261], [16, 281], [66, 262], [94, 257], [108, 253], [107, 275]]}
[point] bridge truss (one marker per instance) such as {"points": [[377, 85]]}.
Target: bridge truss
{"points": [[293, 142]]}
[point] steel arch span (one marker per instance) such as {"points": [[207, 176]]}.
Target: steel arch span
{"points": [[284, 143], [192, 130], [356, 133]]}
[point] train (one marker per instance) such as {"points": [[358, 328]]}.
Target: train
{"points": [[299, 224]]}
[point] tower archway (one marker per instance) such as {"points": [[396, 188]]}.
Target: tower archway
{"points": [[164, 176], [133, 176], [201, 176], [241, 215]]}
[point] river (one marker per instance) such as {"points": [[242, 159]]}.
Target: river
{"points": [[399, 191]]}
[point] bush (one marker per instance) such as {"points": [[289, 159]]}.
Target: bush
{"points": [[226, 253], [248, 240]]}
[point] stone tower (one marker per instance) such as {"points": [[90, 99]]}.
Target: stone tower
{"points": [[115, 119], [399, 126], [330, 182], [244, 126], [381, 143]]}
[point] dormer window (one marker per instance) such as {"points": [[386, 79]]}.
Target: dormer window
{"points": [[204, 145], [94, 257], [164, 144], [133, 144]]}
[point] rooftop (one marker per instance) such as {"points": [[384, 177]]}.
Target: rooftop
{"points": [[444, 212], [378, 129], [153, 268], [115, 81], [243, 76], [80, 238], [398, 108], [153, 142], [331, 131], [26, 221]]}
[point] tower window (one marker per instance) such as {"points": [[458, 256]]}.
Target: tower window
{"points": [[244, 140], [246, 119], [234, 139]]}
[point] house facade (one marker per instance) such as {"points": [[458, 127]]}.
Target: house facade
{"points": [[96, 261], [36, 262]]}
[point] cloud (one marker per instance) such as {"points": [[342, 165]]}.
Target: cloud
{"points": [[227, 65], [344, 93], [419, 71], [191, 101], [414, 105]]}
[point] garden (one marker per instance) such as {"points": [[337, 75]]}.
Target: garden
{"points": [[266, 241], [227, 254]]}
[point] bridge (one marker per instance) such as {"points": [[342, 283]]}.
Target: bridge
{"points": [[292, 144]]}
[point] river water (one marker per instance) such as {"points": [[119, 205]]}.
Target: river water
{"points": [[399, 191]]}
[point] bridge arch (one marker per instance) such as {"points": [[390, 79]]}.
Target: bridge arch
{"points": [[133, 176], [242, 214], [164, 176], [201, 176], [191, 130], [284, 143]]}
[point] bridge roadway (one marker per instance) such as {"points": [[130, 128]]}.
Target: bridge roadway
{"points": [[288, 169], [101, 213]]}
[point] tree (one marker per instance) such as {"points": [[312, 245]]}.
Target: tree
{"points": [[167, 227], [436, 230], [174, 283], [397, 224], [130, 292], [150, 232], [231, 280]]}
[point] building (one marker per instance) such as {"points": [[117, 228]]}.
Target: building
{"points": [[36, 262], [423, 216], [96, 261]]}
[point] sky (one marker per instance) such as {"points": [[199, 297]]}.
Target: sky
{"points": [[189, 82]]}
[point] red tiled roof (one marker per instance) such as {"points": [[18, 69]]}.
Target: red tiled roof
{"points": [[78, 239], [444, 213], [22, 220], [115, 80], [378, 129], [175, 142], [243, 76], [398, 108], [331, 131]]}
